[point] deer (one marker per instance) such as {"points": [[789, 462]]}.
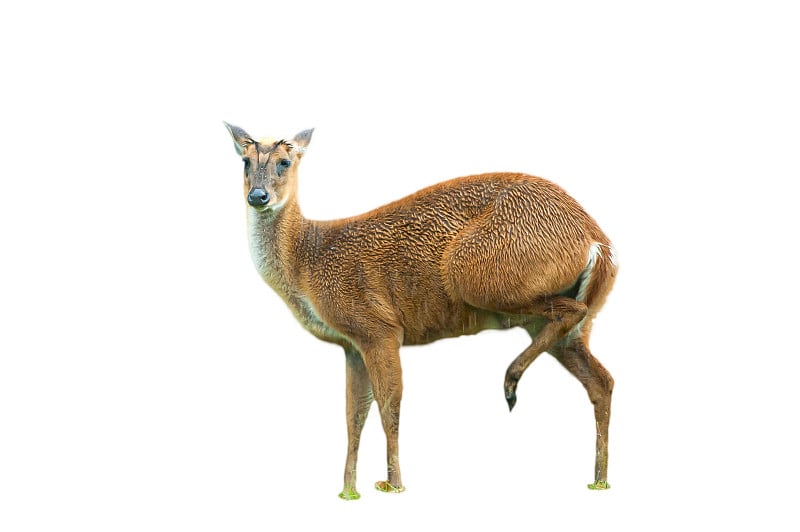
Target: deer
{"points": [[488, 251]]}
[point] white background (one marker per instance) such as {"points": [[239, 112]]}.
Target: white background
{"points": [[150, 381]]}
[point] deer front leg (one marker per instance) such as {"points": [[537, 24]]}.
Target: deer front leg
{"points": [[383, 366], [359, 400]]}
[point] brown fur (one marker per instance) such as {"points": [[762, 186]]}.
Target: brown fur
{"points": [[479, 252]]}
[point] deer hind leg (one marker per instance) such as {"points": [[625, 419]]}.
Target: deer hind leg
{"points": [[359, 400], [576, 358], [561, 315]]}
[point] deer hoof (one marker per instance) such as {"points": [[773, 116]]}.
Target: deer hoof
{"points": [[599, 485], [385, 487], [511, 399], [510, 388], [349, 494]]}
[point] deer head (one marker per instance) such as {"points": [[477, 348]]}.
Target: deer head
{"points": [[270, 167]]}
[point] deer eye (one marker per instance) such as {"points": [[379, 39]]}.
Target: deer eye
{"points": [[283, 164]]}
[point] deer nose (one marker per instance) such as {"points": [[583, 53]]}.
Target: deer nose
{"points": [[257, 197]]}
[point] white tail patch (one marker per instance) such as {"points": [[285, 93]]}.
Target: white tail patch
{"points": [[613, 252], [584, 280], [586, 275]]}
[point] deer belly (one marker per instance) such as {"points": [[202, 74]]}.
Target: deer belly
{"points": [[461, 322]]}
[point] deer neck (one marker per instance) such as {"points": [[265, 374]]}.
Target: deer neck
{"points": [[273, 236]]}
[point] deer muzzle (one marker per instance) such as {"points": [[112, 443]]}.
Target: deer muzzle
{"points": [[258, 197]]}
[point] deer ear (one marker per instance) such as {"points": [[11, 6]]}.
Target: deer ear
{"points": [[301, 140], [241, 139]]}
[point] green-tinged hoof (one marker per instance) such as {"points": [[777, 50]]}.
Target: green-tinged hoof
{"points": [[349, 494], [599, 485], [385, 487]]}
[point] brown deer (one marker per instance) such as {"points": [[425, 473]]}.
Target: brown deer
{"points": [[490, 251]]}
